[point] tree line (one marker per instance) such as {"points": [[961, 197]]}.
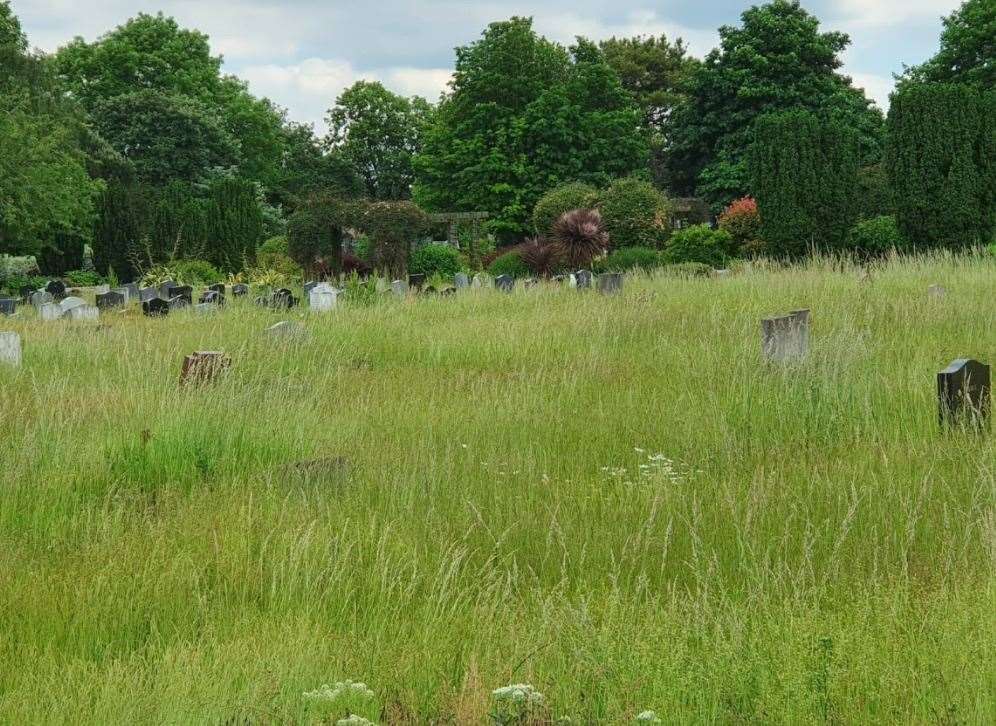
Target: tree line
{"points": [[139, 146]]}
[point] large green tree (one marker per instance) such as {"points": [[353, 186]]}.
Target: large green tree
{"points": [[941, 160], [776, 60], [46, 194], [804, 173], [656, 72], [378, 132], [523, 116], [968, 48]]}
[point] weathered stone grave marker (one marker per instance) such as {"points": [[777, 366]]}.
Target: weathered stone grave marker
{"points": [[10, 348], [67, 304], [505, 283], [203, 366], [147, 293], [416, 281], [155, 308], [111, 300], [56, 288], [49, 311], [39, 298], [323, 297], [240, 289], [218, 287], [400, 288], [460, 280], [286, 329], [937, 291], [787, 337], [8, 305], [212, 297], [610, 283], [83, 312], [963, 393], [582, 279]]}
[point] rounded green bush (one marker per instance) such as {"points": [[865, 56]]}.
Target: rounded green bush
{"points": [[876, 236], [274, 254], [509, 263], [699, 243], [635, 213], [435, 259], [628, 258], [195, 272], [552, 205], [83, 278]]}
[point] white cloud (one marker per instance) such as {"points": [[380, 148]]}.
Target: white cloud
{"points": [[565, 27], [858, 14], [311, 86], [877, 88]]}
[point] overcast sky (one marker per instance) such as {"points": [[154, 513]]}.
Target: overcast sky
{"points": [[302, 53]]}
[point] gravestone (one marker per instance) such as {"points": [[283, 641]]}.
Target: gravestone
{"points": [[936, 291], [240, 289], [787, 337], [39, 298], [529, 282], [286, 329], [56, 288], [83, 312], [721, 273], [155, 308], [582, 279], [178, 303], [212, 297], [101, 289], [132, 289], [111, 300], [448, 291], [218, 287], [400, 288], [26, 292], [8, 305], [49, 311], [10, 348], [323, 297], [610, 283], [416, 281], [308, 287], [184, 291], [147, 293], [963, 393], [505, 283], [460, 280], [284, 299], [125, 293], [477, 282], [203, 366], [69, 303], [205, 308], [165, 289]]}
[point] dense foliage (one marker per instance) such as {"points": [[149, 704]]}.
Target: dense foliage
{"points": [[392, 227], [941, 160], [629, 258], [564, 198], [776, 60], [524, 115], [635, 213], [968, 49], [698, 243], [510, 263], [579, 237], [876, 236], [435, 259], [315, 230], [742, 221], [804, 174]]}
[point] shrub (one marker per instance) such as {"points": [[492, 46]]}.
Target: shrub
{"points": [[560, 200], [742, 221], [14, 283], [314, 232], [435, 259], [687, 269], [274, 254], [804, 171], [698, 243], [392, 227], [196, 272], [84, 278], [628, 258], [509, 263], [580, 236], [876, 236], [635, 213], [541, 258]]}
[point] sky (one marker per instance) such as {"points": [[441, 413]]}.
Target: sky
{"points": [[303, 53]]}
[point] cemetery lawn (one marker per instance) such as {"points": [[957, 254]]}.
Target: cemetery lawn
{"points": [[612, 499]]}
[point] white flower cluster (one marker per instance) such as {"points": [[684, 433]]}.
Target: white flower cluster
{"points": [[656, 468], [520, 694], [647, 716], [354, 720], [338, 690]]}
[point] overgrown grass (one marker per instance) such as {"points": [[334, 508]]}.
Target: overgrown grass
{"points": [[612, 499]]}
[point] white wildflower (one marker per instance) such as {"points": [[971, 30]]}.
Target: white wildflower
{"points": [[520, 694], [647, 716], [338, 690], [354, 720]]}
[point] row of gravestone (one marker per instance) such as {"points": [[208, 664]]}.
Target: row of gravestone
{"points": [[963, 388]]}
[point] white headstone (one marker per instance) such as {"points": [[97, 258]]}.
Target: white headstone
{"points": [[786, 338], [39, 298], [400, 288], [937, 291], [71, 302], [286, 329], [83, 312], [50, 311], [323, 300], [10, 349]]}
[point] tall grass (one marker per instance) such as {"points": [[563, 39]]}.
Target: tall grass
{"points": [[611, 498]]}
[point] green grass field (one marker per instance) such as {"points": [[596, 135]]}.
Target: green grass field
{"points": [[612, 499]]}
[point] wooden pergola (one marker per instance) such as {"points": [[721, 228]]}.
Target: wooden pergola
{"points": [[452, 219]]}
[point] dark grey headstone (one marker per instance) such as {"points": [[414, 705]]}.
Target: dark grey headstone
{"points": [[132, 289], [505, 283], [460, 280], [308, 287], [184, 291], [56, 288], [8, 305], [179, 302], [583, 278], [416, 281], [963, 393], [156, 307], [147, 293], [212, 297], [218, 287], [240, 289], [610, 283], [166, 287], [110, 300]]}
